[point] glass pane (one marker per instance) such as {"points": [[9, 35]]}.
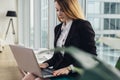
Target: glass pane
{"points": [[103, 23], [118, 8], [90, 7], [106, 24], [118, 24], [94, 7], [113, 8], [112, 24], [106, 8], [97, 23], [44, 23]]}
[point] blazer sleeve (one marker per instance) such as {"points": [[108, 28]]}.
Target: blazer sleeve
{"points": [[52, 60], [55, 56], [88, 36]]}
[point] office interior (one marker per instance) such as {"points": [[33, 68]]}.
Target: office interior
{"points": [[34, 28]]}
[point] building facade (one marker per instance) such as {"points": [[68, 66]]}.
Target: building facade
{"points": [[104, 16]]}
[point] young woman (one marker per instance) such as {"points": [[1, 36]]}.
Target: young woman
{"points": [[72, 31]]}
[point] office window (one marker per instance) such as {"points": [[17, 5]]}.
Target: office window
{"points": [[94, 22], [31, 24], [106, 8], [97, 37], [117, 24], [112, 24], [107, 49], [106, 24], [94, 7], [35, 24], [111, 8], [118, 8], [44, 24], [41, 27]]}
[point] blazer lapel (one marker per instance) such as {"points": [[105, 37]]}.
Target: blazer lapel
{"points": [[70, 34], [57, 34]]}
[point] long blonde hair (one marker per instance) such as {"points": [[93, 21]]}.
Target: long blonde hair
{"points": [[71, 8]]}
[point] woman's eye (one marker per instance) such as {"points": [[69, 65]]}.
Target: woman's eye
{"points": [[61, 10], [57, 10]]}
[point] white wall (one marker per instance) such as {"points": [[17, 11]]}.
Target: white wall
{"points": [[6, 5]]}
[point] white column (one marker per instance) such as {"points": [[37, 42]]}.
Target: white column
{"points": [[20, 22], [37, 23]]}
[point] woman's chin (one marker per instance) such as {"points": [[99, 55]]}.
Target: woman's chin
{"points": [[62, 20]]}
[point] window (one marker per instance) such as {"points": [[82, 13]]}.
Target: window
{"points": [[41, 28], [118, 8], [111, 24], [94, 7], [111, 8], [104, 17], [106, 8], [35, 23], [94, 22], [106, 24], [118, 24], [44, 24]]}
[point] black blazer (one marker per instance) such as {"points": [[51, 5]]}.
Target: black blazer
{"points": [[81, 35]]}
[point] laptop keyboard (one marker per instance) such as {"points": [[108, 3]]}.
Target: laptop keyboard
{"points": [[47, 71]]}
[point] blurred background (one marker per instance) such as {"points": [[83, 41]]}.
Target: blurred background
{"points": [[36, 19]]}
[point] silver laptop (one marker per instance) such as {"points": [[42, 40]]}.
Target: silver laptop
{"points": [[27, 61]]}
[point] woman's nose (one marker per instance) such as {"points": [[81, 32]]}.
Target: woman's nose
{"points": [[59, 13]]}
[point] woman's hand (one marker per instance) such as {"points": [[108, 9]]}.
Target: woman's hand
{"points": [[28, 76], [62, 71], [44, 65]]}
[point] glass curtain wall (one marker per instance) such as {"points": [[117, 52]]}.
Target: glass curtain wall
{"points": [[103, 16], [40, 31], [33, 22], [36, 23], [44, 24]]}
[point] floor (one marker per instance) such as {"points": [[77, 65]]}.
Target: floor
{"points": [[8, 66]]}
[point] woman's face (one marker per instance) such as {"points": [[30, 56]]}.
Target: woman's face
{"points": [[60, 13]]}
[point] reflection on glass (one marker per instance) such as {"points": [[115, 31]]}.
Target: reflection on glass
{"points": [[44, 23], [118, 24], [118, 8], [98, 12], [112, 24], [93, 7], [113, 8], [106, 24], [106, 8], [94, 22]]}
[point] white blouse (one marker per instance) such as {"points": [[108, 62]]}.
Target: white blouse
{"points": [[64, 33]]}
